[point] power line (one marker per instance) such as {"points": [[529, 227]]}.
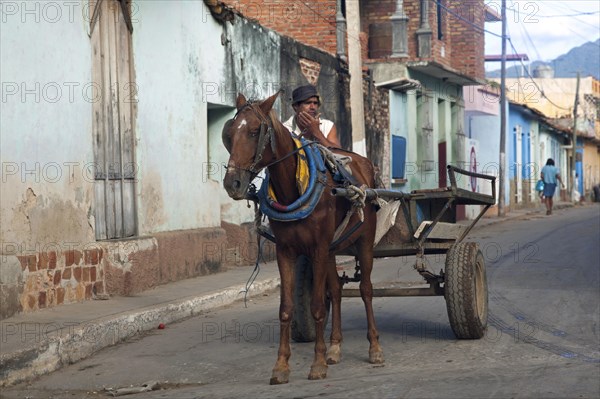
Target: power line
{"points": [[477, 27], [531, 16], [524, 30], [324, 18], [564, 6], [534, 82]]}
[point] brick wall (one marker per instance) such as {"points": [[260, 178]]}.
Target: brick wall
{"points": [[55, 277], [310, 69], [468, 43], [311, 23], [63, 274], [376, 25], [462, 45]]}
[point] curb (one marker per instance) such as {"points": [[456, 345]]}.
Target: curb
{"points": [[86, 339]]}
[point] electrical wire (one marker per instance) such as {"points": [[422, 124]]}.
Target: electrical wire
{"points": [[524, 30], [539, 57], [530, 15], [534, 82], [477, 27]]}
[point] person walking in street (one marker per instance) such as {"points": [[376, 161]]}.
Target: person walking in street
{"points": [[307, 121], [550, 175]]}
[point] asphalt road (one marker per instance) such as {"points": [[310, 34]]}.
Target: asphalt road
{"points": [[542, 340]]}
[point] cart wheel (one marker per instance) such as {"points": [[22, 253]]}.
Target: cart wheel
{"points": [[303, 323], [465, 290]]}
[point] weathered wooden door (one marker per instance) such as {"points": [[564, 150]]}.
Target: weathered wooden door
{"points": [[113, 119]]}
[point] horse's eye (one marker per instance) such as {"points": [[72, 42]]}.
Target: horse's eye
{"points": [[254, 133]]}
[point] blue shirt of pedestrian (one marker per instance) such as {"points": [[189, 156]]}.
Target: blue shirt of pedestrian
{"points": [[550, 172]]}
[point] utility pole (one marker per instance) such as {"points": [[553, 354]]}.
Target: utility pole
{"points": [[359, 143], [501, 177], [571, 186]]}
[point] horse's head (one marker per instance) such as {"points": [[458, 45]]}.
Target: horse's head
{"points": [[250, 139]]}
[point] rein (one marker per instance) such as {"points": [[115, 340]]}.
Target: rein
{"points": [[266, 134]]}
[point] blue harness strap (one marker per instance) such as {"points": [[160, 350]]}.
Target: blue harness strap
{"points": [[304, 205]]}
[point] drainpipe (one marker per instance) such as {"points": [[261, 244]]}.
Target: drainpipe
{"points": [[359, 144], [340, 32]]}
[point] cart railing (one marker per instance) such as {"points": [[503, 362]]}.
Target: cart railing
{"points": [[449, 196]]}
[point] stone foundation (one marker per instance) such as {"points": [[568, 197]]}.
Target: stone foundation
{"points": [[38, 280], [45, 279]]}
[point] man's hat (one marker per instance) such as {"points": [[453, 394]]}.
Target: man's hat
{"points": [[303, 93]]}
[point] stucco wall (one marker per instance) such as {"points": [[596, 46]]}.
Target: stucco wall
{"points": [[446, 120], [591, 167], [45, 120], [45, 100], [560, 91], [174, 66]]}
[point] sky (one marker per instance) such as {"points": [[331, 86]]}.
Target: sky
{"points": [[543, 29]]}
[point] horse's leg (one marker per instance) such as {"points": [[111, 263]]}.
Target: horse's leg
{"points": [[320, 259], [281, 371], [365, 257], [335, 290]]}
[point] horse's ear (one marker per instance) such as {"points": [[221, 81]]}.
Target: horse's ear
{"points": [[240, 101], [267, 104]]}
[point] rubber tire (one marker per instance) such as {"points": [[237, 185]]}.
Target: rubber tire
{"points": [[303, 323], [465, 291]]}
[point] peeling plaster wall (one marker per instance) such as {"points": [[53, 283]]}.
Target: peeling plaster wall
{"points": [[253, 62], [47, 184], [252, 68], [46, 189], [174, 66]]}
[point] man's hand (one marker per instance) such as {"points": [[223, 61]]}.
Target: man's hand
{"points": [[309, 126]]}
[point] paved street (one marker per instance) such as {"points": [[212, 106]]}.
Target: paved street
{"points": [[542, 341]]}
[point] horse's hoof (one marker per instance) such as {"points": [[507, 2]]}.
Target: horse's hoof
{"points": [[376, 357], [279, 377], [318, 372], [334, 354]]}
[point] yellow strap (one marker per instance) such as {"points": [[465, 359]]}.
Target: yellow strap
{"points": [[302, 176]]}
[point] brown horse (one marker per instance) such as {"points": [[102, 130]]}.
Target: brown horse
{"points": [[256, 139]]}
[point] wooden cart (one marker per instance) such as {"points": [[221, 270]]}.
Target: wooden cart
{"points": [[425, 224]]}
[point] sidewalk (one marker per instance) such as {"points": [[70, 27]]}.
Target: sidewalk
{"points": [[34, 344]]}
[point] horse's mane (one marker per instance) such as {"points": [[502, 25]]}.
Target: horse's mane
{"points": [[277, 124]]}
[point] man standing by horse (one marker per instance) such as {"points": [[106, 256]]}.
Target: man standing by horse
{"points": [[307, 121]]}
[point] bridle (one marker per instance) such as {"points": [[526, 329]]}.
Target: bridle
{"points": [[266, 134]]}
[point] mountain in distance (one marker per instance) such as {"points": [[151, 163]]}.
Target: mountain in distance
{"points": [[584, 59]]}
